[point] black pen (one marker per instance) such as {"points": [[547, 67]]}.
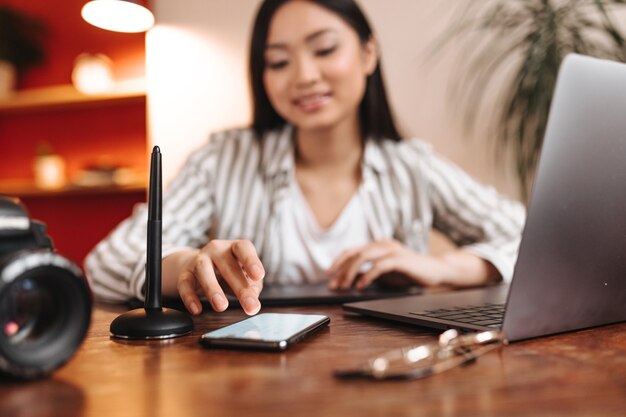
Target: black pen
{"points": [[153, 255]]}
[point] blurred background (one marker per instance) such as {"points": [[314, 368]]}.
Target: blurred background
{"points": [[87, 104]]}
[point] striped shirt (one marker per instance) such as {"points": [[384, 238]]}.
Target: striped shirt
{"points": [[235, 187]]}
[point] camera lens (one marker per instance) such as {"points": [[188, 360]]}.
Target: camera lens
{"points": [[45, 311], [27, 312]]}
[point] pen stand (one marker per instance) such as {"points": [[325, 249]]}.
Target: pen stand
{"points": [[145, 323], [153, 321]]}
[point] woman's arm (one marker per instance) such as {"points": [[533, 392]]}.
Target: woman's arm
{"points": [[474, 216], [116, 266], [191, 265], [457, 268], [485, 227]]}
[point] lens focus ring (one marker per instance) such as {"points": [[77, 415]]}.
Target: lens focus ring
{"points": [[45, 310]]}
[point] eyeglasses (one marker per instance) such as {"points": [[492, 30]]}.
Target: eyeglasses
{"points": [[414, 362]]}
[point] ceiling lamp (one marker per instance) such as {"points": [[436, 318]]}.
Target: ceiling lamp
{"points": [[129, 16]]}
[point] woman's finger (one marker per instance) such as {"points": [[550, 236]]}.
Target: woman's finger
{"points": [[245, 253], [338, 264], [360, 263], [234, 275], [207, 280], [379, 267], [339, 268], [187, 291]]}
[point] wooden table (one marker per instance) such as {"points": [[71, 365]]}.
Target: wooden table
{"points": [[577, 374]]}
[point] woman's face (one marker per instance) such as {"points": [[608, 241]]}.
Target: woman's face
{"points": [[315, 66]]}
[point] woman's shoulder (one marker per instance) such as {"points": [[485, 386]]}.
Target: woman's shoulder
{"points": [[217, 142], [408, 157], [407, 149], [223, 139], [226, 136], [245, 136], [415, 143], [229, 144]]}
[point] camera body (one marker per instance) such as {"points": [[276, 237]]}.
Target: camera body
{"points": [[17, 231], [45, 302]]}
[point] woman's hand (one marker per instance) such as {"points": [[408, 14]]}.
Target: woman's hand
{"points": [[458, 268], [194, 271]]}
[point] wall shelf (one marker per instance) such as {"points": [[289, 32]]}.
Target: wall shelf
{"points": [[28, 189], [65, 96]]}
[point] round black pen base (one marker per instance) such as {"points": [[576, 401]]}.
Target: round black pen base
{"points": [[151, 324]]}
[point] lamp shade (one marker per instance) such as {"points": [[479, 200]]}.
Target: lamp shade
{"points": [[118, 15]]}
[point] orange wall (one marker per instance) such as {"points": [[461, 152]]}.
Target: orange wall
{"points": [[83, 137], [76, 223]]}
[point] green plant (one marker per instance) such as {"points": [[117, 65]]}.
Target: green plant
{"points": [[21, 39], [526, 41]]}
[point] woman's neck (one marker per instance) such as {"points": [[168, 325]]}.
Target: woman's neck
{"points": [[332, 151]]}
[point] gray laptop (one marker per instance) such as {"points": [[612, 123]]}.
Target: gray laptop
{"points": [[571, 269]]}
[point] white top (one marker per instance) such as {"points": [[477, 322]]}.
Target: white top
{"points": [[236, 186], [311, 249]]}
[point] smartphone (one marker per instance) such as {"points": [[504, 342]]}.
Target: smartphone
{"points": [[267, 331]]}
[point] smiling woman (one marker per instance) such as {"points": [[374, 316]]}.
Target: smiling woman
{"points": [[321, 188], [316, 81], [341, 30]]}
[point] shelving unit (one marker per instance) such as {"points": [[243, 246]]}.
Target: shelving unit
{"points": [[64, 97], [57, 116], [81, 128]]}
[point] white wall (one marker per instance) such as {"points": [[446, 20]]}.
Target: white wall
{"points": [[196, 70]]}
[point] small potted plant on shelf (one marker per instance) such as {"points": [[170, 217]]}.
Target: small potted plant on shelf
{"points": [[21, 46], [49, 168]]}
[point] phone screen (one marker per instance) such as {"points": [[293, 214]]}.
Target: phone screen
{"points": [[267, 330]]}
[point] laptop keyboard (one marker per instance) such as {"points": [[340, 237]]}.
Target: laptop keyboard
{"points": [[486, 315]]}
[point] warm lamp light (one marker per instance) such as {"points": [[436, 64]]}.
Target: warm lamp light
{"points": [[118, 15]]}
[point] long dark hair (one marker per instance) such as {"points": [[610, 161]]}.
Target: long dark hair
{"points": [[375, 115]]}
